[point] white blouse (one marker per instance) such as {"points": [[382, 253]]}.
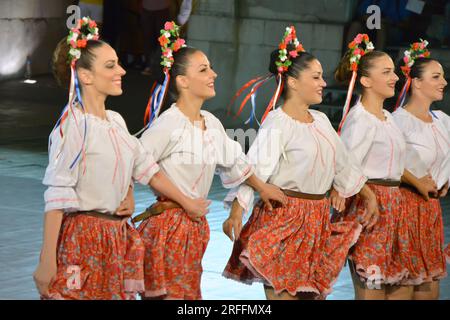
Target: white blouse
{"points": [[378, 145], [190, 156], [303, 157], [100, 181], [427, 145]]}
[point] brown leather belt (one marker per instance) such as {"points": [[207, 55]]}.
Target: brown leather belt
{"points": [[413, 189], [384, 182], [155, 209], [301, 195], [100, 215]]}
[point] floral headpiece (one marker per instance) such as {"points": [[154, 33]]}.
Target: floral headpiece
{"points": [[289, 48], [170, 42], [356, 53], [289, 40], [85, 30], [77, 39], [415, 51]]}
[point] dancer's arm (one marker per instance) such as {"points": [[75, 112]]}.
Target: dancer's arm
{"points": [[46, 269]]}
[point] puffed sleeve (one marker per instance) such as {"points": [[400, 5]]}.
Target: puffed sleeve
{"points": [[358, 134], [60, 178], [144, 166], [264, 154], [161, 137], [233, 166]]}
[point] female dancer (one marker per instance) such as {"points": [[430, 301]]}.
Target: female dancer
{"points": [[295, 251], [427, 152], [189, 144], [89, 251], [370, 133]]}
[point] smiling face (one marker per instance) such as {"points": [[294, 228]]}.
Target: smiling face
{"points": [[105, 74], [381, 77], [309, 84], [431, 81], [199, 77]]}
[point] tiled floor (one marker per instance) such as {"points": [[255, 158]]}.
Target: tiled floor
{"points": [[26, 115]]}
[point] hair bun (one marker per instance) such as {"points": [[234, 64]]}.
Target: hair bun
{"points": [[273, 59], [60, 63]]}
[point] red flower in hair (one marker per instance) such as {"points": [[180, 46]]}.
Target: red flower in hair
{"points": [[282, 46], [406, 70], [293, 53], [169, 25], [354, 66], [81, 43], [352, 45], [178, 44], [163, 41], [92, 24]]}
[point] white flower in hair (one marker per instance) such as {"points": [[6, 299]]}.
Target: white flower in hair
{"points": [[85, 19], [407, 53], [410, 63], [288, 29], [370, 46], [296, 42], [353, 59], [90, 36], [167, 35], [425, 43], [75, 53], [283, 58]]}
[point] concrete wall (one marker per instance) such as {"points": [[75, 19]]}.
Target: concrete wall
{"points": [[239, 35], [29, 27]]}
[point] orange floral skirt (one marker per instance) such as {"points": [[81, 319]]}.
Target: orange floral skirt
{"points": [[426, 259], [174, 248], [378, 254], [294, 249], [97, 259]]}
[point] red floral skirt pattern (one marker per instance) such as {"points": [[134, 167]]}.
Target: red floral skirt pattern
{"points": [[295, 248], [378, 254], [97, 259], [426, 259], [174, 248]]}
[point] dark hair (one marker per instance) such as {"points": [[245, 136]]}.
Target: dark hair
{"points": [[178, 68], [343, 73], [299, 64], [418, 69], [61, 63]]}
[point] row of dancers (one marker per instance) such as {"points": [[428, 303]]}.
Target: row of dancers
{"points": [[381, 175]]}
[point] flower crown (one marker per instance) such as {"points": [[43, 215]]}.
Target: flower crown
{"points": [[170, 42], [416, 50], [356, 52], [289, 39], [78, 37]]}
